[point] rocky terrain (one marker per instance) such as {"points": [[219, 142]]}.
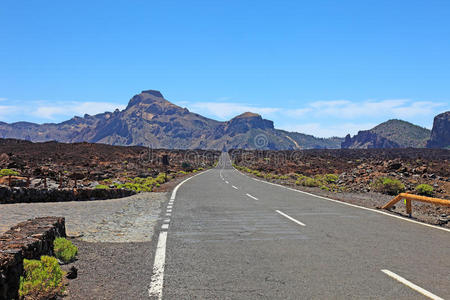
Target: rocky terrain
{"points": [[440, 135], [55, 165], [390, 134], [350, 174], [151, 120], [357, 168]]}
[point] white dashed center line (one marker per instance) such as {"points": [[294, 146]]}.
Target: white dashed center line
{"points": [[234, 187], [254, 198], [411, 285], [290, 218], [226, 182]]}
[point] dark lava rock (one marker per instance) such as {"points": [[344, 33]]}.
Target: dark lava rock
{"points": [[440, 134], [72, 273]]}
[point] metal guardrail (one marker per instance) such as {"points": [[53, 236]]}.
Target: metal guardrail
{"points": [[411, 197]]}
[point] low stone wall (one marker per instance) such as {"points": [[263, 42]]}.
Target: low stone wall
{"points": [[30, 195], [30, 240]]}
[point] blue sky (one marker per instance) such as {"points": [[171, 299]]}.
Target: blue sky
{"points": [[320, 67]]}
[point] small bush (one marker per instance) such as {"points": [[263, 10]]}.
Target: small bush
{"points": [[64, 250], [425, 189], [101, 187], [8, 172], [42, 278], [311, 182], [331, 178], [185, 165], [388, 186]]}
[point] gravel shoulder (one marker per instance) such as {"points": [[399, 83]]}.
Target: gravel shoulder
{"points": [[422, 212]]}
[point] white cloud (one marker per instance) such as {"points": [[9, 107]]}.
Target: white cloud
{"points": [[7, 110], [329, 130], [228, 110], [56, 111], [3, 99], [391, 108]]}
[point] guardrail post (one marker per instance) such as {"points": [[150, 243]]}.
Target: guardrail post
{"points": [[408, 207]]}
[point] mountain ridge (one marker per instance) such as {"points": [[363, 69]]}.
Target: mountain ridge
{"points": [[151, 120], [393, 133]]}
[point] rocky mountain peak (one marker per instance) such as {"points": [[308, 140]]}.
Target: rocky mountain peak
{"points": [[248, 115], [153, 93], [247, 121], [440, 134]]}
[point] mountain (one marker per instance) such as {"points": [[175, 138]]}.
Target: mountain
{"points": [[390, 134], [151, 120], [440, 134]]}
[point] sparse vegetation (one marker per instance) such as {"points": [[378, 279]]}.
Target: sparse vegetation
{"points": [[9, 173], [425, 189], [64, 250], [101, 187], [42, 278], [388, 185]]}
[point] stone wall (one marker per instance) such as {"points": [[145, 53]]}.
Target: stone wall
{"points": [[30, 195], [30, 240]]}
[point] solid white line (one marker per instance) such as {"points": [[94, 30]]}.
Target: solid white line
{"points": [[254, 198], [156, 283], [157, 280], [234, 187], [411, 285], [165, 226], [290, 218], [348, 204]]}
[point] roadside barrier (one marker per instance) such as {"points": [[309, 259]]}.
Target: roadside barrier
{"points": [[410, 197]]}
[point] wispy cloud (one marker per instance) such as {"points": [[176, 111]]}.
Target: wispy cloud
{"points": [[53, 112], [227, 110], [390, 108], [43, 111], [329, 130]]}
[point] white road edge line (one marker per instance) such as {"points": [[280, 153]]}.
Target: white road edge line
{"points": [[290, 218], [411, 285], [348, 204], [234, 187], [157, 279], [254, 198]]}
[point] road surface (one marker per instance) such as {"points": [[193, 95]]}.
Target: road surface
{"points": [[225, 235]]}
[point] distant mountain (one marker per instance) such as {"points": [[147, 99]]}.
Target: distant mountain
{"points": [[390, 134], [440, 134], [151, 120]]}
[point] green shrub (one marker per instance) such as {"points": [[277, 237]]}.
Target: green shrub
{"points": [[101, 187], [8, 172], [185, 165], [311, 182], [331, 178], [41, 277], [388, 186], [64, 250], [424, 189]]}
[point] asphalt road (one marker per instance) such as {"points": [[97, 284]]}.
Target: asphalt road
{"points": [[228, 236]]}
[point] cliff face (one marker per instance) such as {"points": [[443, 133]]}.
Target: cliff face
{"points": [[390, 134], [440, 134], [367, 140], [151, 120]]}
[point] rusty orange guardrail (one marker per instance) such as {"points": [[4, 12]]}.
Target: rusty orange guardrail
{"points": [[411, 197]]}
